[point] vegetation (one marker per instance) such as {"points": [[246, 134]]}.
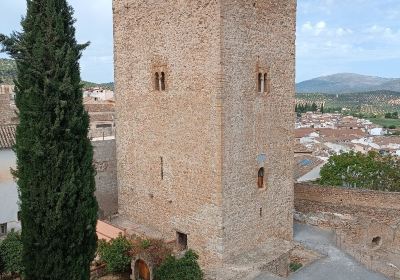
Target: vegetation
{"points": [[394, 115], [11, 254], [356, 170], [308, 107], [54, 172], [386, 123], [115, 254], [8, 71], [294, 266], [185, 268], [155, 250], [369, 103]]}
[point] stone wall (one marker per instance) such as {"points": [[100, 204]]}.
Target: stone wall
{"points": [[188, 157], [257, 127], [7, 107], [104, 160], [366, 223]]}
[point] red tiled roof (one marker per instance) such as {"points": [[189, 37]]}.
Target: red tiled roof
{"points": [[107, 232], [7, 136], [302, 132]]}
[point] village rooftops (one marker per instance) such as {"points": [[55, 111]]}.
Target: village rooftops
{"points": [[7, 136]]}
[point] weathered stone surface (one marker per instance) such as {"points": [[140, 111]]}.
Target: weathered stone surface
{"points": [[187, 156], [7, 106], [105, 162], [366, 223]]}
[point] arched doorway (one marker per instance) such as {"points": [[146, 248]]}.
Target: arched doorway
{"points": [[142, 270]]}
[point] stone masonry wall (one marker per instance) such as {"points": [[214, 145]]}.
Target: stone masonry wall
{"points": [[188, 157], [366, 223], [7, 109], [257, 37], [105, 162], [169, 142]]}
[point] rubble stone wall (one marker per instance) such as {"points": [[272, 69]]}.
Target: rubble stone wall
{"points": [[366, 223], [258, 37], [105, 162], [188, 157], [7, 109]]}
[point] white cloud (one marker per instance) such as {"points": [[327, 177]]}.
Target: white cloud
{"points": [[343, 31], [316, 29]]}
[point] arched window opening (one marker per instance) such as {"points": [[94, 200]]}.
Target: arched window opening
{"points": [[260, 181], [157, 82], [259, 82], [162, 81]]}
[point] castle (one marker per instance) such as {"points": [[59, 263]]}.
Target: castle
{"points": [[204, 100]]}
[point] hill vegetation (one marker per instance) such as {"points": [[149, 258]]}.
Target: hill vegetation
{"points": [[8, 72], [370, 103], [348, 83]]}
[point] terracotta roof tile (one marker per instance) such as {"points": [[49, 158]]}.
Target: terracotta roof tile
{"points": [[7, 136]]}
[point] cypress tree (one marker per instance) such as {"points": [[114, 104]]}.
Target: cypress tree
{"points": [[54, 171]]}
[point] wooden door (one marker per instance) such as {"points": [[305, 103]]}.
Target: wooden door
{"points": [[142, 270]]}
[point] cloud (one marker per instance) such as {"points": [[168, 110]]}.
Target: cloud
{"points": [[343, 31], [316, 29], [348, 33]]}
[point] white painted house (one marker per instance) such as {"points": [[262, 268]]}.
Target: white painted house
{"points": [[8, 188]]}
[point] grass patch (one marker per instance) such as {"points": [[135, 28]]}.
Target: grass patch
{"points": [[294, 266], [386, 122]]}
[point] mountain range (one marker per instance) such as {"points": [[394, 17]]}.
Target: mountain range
{"points": [[332, 84], [347, 83]]}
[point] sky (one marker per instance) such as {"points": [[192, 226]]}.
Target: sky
{"points": [[333, 36]]}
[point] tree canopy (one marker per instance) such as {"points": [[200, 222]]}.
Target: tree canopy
{"points": [[54, 171], [370, 171]]}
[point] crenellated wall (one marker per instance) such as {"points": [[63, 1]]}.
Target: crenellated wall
{"points": [[366, 223]]}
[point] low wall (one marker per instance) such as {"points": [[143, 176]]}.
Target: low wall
{"points": [[366, 223], [104, 160]]}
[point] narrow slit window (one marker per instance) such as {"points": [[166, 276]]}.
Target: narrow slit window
{"points": [[260, 181], [157, 81], [266, 83], [162, 168], [259, 82], [162, 81]]}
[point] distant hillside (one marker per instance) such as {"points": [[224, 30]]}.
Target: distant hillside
{"points": [[109, 86], [348, 83], [8, 72], [371, 102]]}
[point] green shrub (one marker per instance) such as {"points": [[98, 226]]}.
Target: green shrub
{"points": [[1, 265], [145, 244], [115, 254], [185, 268], [392, 126], [368, 171], [11, 253], [294, 266]]}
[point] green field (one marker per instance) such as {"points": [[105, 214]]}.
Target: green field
{"points": [[367, 103], [386, 122]]}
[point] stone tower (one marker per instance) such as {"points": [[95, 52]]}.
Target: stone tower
{"points": [[205, 118]]}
